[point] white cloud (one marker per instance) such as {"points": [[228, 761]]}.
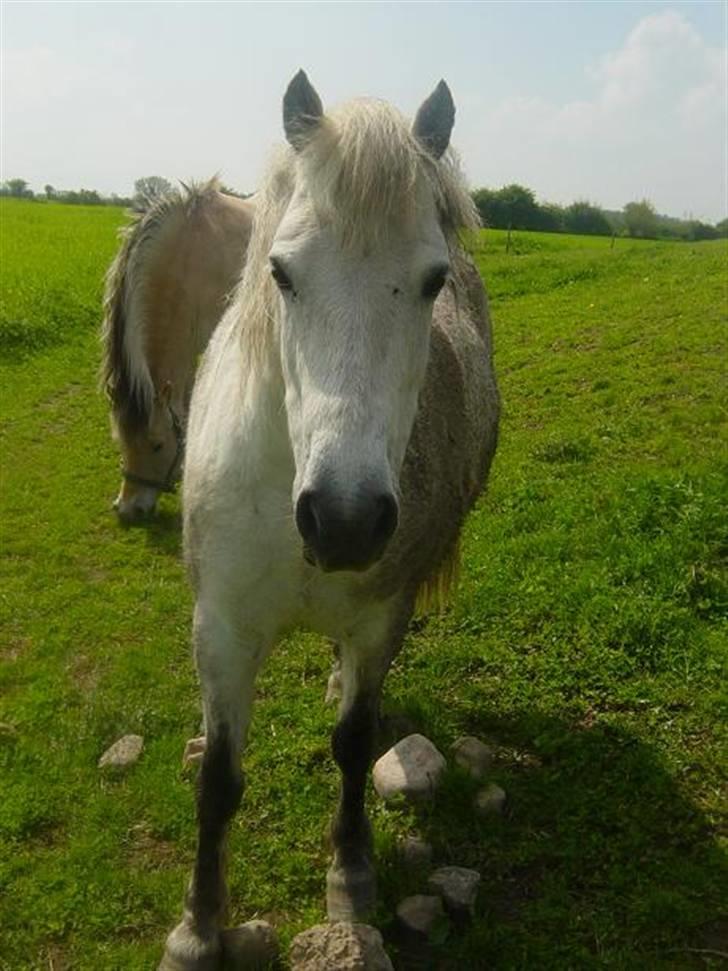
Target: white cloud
{"points": [[655, 126]]}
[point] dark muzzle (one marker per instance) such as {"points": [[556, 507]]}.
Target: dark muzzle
{"points": [[349, 535]]}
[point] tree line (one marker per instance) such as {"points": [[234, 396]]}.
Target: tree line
{"points": [[512, 207], [516, 207]]}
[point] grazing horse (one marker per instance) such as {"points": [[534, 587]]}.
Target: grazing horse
{"points": [[342, 425], [165, 292]]}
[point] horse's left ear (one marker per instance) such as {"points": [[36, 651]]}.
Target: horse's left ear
{"points": [[302, 110], [433, 122]]}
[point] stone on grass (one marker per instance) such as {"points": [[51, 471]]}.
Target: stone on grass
{"points": [[341, 946], [491, 800], [194, 750], [411, 768], [473, 755], [414, 852], [333, 687], [418, 914], [123, 753], [458, 888], [251, 945]]}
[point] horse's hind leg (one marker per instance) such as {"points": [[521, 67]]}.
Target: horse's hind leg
{"points": [[350, 882], [227, 672]]}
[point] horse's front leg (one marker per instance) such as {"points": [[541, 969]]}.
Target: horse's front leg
{"points": [[227, 666], [350, 882]]}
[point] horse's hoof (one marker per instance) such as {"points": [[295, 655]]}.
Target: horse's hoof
{"points": [[351, 892], [185, 951], [250, 946]]}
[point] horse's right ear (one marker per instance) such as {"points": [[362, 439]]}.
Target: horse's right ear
{"points": [[302, 111], [433, 123]]}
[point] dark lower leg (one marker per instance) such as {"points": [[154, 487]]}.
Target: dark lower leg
{"points": [[219, 793], [353, 746]]}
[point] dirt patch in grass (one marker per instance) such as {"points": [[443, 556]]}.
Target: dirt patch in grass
{"points": [[148, 852]]}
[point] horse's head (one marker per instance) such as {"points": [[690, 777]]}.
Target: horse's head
{"points": [[359, 258], [151, 448]]}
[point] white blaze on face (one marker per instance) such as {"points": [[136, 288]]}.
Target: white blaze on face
{"points": [[354, 338]]}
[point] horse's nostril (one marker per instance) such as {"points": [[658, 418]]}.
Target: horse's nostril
{"points": [[307, 516], [386, 518]]}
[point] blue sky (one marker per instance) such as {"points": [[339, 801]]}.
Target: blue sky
{"points": [[601, 100]]}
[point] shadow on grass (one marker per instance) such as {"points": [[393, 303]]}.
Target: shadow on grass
{"points": [[598, 861], [163, 530]]}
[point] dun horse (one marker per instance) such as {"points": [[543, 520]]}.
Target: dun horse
{"points": [[341, 427], [165, 293]]}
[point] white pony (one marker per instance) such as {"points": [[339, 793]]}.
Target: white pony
{"points": [[342, 425]]}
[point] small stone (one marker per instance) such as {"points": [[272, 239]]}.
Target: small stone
{"points": [[491, 800], [415, 852], [458, 888], [473, 755], [251, 945], [333, 687], [411, 768], [419, 913], [123, 753], [194, 750], [341, 946]]}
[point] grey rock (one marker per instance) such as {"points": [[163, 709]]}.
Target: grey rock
{"points": [[250, 946], [419, 913], [491, 800], [194, 750], [333, 687], [473, 755], [123, 753], [415, 852], [411, 768], [458, 888], [341, 946]]}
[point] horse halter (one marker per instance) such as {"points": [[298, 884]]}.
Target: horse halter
{"points": [[167, 484]]}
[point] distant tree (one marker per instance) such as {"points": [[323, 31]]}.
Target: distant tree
{"points": [[519, 206], [149, 189], [88, 197], [583, 217], [18, 188], [550, 218], [615, 218], [512, 206], [49, 191], [116, 200], [640, 219], [699, 230], [486, 202], [722, 228]]}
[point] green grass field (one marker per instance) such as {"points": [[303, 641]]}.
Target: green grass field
{"points": [[587, 640]]}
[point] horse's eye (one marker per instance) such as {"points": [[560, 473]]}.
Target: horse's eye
{"points": [[157, 446], [434, 282], [280, 276]]}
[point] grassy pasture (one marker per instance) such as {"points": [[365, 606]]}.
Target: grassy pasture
{"points": [[587, 641]]}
